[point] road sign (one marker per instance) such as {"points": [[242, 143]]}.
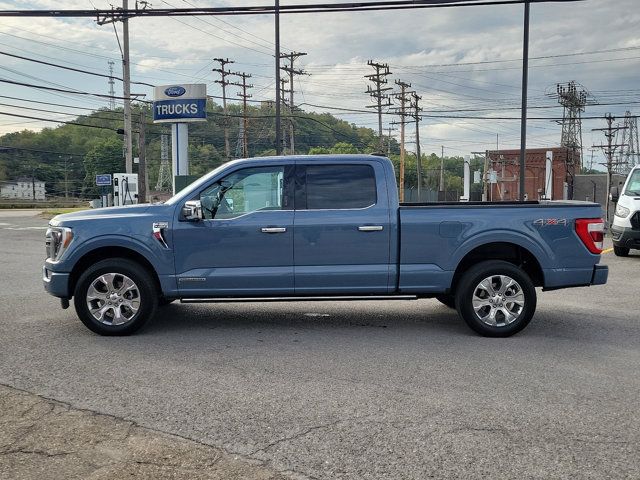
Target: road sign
{"points": [[103, 180], [180, 103]]}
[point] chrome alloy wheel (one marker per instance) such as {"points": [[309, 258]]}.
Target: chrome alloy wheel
{"points": [[113, 299], [498, 300]]}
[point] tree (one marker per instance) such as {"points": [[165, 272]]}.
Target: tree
{"points": [[104, 157]]}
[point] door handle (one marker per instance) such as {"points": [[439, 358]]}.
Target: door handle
{"points": [[273, 229], [370, 228]]}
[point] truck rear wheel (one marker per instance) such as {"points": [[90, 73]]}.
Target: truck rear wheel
{"points": [[115, 297], [621, 251], [496, 298]]}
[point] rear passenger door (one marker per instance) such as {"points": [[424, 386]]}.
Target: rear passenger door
{"points": [[341, 229]]}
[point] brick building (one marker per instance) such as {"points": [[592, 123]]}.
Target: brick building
{"points": [[507, 167]]}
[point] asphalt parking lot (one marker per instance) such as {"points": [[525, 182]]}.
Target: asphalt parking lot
{"points": [[360, 390]]}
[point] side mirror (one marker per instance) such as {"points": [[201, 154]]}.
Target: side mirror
{"points": [[614, 194], [192, 211]]}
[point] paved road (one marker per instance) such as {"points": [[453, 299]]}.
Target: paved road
{"points": [[364, 390]]}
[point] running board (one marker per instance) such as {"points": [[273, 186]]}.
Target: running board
{"points": [[297, 299]]}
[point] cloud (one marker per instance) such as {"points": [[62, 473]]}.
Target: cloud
{"points": [[416, 43]]}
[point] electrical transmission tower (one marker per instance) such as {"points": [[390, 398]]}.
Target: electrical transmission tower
{"points": [[112, 91], [245, 119], [628, 156], [378, 93], [164, 174], [403, 111], [224, 82], [573, 98], [292, 57], [610, 133]]}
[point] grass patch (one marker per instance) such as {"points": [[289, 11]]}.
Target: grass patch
{"points": [[49, 213]]}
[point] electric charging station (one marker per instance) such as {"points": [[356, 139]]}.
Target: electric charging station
{"points": [[125, 189]]}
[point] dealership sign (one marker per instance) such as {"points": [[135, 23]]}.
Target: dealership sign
{"points": [[180, 103]]}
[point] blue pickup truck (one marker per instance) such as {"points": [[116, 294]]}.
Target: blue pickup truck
{"points": [[311, 227]]}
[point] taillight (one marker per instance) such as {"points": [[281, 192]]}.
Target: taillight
{"points": [[591, 232]]}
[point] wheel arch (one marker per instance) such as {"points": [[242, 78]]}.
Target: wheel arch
{"points": [[508, 251], [106, 252]]}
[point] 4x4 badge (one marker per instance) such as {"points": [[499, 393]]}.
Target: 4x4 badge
{"points": [[544, 222]]}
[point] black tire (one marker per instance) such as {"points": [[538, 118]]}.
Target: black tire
{"points": [[621, 251], [146, 289], [448, 299], [467, 287]]}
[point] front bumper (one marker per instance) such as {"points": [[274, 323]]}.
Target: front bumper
{"points": [[625, 237], [56, 283]]}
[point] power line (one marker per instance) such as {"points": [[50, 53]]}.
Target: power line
{"points": [[87, 72], [75, 92]]}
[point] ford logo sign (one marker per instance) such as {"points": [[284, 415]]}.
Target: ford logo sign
{"points": [[174, 91]]}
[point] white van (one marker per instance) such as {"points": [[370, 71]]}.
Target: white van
{"points": [[625, 229]]}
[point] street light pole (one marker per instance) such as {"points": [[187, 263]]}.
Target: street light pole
{"points": [[278, 125], [525, 81]]}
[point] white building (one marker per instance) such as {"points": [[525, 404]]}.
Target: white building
{"points": [[23, 189]]}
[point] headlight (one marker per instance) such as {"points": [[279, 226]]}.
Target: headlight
{"points": [[57, 240], [621, 211]]}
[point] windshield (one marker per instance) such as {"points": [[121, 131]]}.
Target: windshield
{"points": [[633, 185]]}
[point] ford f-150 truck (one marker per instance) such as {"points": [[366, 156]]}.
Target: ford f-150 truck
{"points": [[318, 227]]}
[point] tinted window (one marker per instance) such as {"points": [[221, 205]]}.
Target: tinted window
{"points": [[340, 186]]}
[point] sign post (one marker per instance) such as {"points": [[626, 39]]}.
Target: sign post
{"points": [[180, 105], [104, 182]]}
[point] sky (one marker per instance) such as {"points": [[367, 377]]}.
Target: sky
{"points": [[463, 61]]}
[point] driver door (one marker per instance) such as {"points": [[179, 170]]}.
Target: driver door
{"points": [[244, 244]]}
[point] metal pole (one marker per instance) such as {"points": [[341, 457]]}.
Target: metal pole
{"points": [[278, 125], [418, 155], [126, 85], [525, 80], [291, 133], [442, 170], [143, 177]]}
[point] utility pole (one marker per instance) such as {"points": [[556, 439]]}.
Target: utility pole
{"points": [[403, 96], [283, 102], [390, 129], [224, 82], [609, 149], [378, 93], [126, 77], [143, 176], [416, 117], [126, 85], [442, 169], [292, 57], [244, 95]]}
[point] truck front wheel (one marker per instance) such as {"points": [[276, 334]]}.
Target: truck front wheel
{"points": [[496, 298], [115, 297]]}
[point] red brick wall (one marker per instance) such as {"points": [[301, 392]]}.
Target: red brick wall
{"points": [[535, 173]]}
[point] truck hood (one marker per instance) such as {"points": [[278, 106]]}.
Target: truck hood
{"points": [[107, 213]]}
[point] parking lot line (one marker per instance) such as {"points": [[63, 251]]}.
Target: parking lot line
{"points": [[608, 250]]}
